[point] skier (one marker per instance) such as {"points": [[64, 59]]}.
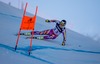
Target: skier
{"points": [[50, 33]]}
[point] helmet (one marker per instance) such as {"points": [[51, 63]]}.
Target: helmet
{"points": [[63, 22]]}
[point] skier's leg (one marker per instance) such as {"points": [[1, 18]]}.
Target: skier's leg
{"points": [[45, 37], [42, 37], [50, 35], [45, 32]]}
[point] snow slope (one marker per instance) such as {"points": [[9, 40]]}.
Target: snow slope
{"points": [[79, 49]]}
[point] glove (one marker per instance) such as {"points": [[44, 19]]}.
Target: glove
{"points": [[63, 43], [47, 20]]}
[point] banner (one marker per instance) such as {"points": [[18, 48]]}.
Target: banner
{"points": [[28, 23]]}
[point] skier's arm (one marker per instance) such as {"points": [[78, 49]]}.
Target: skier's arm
{"points": [[51, 20], [64, 37]]}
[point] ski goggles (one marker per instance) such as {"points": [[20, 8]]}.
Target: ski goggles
{"points": [[62, 23]]}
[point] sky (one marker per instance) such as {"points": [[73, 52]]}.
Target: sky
{"points": [[82, 16]]}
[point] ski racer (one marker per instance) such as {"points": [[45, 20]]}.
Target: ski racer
{"points": [[50, 33]]}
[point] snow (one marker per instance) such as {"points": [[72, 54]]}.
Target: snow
{"points": [[79, 49]]}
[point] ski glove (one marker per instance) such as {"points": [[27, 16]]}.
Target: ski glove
{"points": [[47, 20], [63, 43]]}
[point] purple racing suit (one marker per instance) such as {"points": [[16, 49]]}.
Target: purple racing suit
{"points": [[52, 33]]}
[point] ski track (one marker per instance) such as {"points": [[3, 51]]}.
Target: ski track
{"points": [[23, 53], [35, 47]]}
